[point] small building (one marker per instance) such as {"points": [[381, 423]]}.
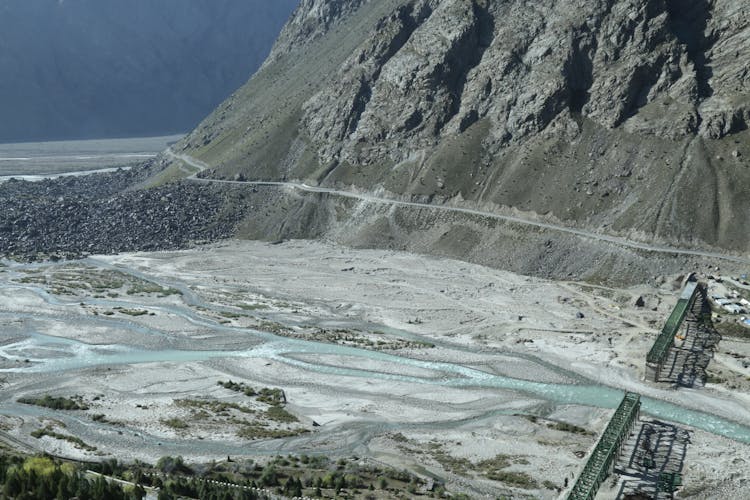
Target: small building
{"points": [[732, 308]]}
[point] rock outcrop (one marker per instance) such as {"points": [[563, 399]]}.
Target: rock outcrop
{"points": [[311, 20], [619, 115]]}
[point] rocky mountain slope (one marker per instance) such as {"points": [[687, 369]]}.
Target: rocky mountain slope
{"points": [[624, 116], [108, 68]]}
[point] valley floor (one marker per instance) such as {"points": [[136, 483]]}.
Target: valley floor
{"points": [[495, 383], [37, 160]]}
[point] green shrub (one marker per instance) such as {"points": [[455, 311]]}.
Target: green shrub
{"points": [[48, 431], [518, 479], [279, 414], [175, 423], [566, 427], [48, 401]]}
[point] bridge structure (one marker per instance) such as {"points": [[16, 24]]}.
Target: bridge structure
{"points": [[659, 352], [602, 460]]}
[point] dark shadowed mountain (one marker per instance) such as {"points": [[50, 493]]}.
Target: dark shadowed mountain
{"points": [[113, 68]]}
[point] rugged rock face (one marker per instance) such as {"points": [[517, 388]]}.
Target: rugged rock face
{"points": [[433, 68], [311, 20], [628, 116]]}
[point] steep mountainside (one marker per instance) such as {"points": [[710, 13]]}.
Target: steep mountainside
{"points": [[108, 68], [625, 116]]}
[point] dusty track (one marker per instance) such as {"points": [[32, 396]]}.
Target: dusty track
{"points": [[616, 240]]}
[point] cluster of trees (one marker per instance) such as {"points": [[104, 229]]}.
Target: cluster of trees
{"points": [[195, 488], [23, 478], [42, 477], [266, 477], [290, 487]]}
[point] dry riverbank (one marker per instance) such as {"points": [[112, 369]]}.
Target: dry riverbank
{"points": [[474, 375]]}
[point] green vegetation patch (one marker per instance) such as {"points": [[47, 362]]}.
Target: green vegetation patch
{"points": [[45, 466], [133, 312], [457, 465], [271, 396], [265, 395], [566, 427], [549, 484], [44, 477], [237, 387], [276, 329], [254, 430], [147, 288], [175, 423], [288, 476], [373, 340], [513, 478], [91, 281], [252, 307], [219, 407], [497, 462], [271, 419], [48, 401], [492, 468], [279, 414], [50, 432]]}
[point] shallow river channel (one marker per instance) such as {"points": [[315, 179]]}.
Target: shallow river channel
{"points": [[33, 351]]}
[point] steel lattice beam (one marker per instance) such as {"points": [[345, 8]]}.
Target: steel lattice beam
{"points": [[605, 453]]}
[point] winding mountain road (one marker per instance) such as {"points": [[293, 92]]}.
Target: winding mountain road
{"points": [[616, 240]]}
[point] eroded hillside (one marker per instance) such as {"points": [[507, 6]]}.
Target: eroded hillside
{"points": [[628, 116]]}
